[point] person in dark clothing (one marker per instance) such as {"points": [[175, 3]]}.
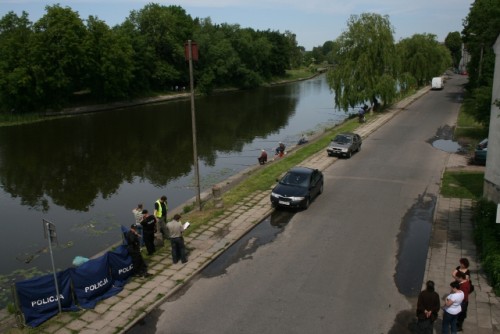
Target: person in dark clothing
{"points": [[134, 250], [148, 229], [280, 150], [428, 305]]}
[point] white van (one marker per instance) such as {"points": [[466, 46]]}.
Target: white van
{"points": [[437, 83]]}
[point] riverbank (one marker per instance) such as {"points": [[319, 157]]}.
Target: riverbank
{"points": [[13, 119]]}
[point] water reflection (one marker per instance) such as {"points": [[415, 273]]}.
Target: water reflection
{"points": [[86, 173]]}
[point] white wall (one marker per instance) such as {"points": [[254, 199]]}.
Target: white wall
{"points": [[492, 172]]}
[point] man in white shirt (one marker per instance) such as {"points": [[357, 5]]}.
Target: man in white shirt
{"points": [[175, 230]]}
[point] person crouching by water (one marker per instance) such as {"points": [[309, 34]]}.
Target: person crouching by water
{"points": [[134, 250], [175, 230], [280, 150], [303, 140], [263, 157]]}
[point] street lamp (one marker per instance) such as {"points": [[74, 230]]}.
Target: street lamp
{"points": [[191, 53]]}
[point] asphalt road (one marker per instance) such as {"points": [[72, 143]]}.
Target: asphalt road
{"points": [[333, 268]]}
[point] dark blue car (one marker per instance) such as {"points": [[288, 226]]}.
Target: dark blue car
{"points": [[297, 188]]}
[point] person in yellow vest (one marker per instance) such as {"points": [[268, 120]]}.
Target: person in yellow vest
{"points": [[161, 208]]}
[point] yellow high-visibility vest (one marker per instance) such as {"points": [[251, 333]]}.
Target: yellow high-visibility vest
{"points": [[159, 212]]}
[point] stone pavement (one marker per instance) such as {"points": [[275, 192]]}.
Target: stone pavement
{"points": [[451, 240]]}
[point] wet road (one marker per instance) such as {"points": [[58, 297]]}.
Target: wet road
{"points": [[351, 263]]}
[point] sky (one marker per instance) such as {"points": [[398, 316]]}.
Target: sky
{"points": [[312, 21]]}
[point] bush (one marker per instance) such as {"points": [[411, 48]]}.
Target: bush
{"points": [[487, 236]]}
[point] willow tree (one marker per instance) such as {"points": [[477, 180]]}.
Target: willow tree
{"points": [[365, 62], [423, 57]]}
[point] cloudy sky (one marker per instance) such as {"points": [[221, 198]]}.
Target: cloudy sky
{"points": [[312, 21]]}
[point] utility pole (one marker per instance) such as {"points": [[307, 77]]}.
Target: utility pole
{"points": [[191, 53], [49, 231]]}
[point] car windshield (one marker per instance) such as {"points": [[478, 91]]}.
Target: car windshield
{"points": [[342, 139], [295, 179]]}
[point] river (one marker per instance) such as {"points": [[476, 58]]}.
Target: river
{"points": [[86, 173]]}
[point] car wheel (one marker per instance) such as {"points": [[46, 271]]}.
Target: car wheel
{"points": [[349, 154], [306, 204], [320, 189], [359, 148]]}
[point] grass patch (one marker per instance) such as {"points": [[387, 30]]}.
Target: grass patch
{"points": [[466, 120], [462, 184]]}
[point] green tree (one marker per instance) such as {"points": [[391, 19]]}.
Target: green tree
{"points": [[58, 55], [16, 77], [453, 42], [109, 73], [423, 57], [481, 28], [365, 62], [165, 30], [219, 61]]}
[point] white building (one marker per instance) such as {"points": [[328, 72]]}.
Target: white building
{"points": [[492, 173]]}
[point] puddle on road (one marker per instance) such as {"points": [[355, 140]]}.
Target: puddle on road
{"points": [[443, 140], [413, 240], [447, 145], [264, 233]]}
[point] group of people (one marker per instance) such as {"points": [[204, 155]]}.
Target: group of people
{"points": [[142, 233], [455, 303], [279, 152]]}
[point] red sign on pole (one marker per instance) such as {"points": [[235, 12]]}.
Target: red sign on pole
{"points": [[194, 51]]}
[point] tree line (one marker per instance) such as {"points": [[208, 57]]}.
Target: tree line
{"points": [[49, 63]]}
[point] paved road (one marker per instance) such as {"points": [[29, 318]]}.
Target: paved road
{"points": [[332, 270]]}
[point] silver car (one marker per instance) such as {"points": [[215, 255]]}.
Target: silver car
{"points": [[344, 145]]}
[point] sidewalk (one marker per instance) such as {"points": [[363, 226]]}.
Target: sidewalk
{"points": [[451, 240]]}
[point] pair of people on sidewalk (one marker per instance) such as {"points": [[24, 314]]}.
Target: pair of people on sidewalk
{"points": [[454, 308]]}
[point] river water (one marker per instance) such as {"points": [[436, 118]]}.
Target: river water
{"points": [[86, 173]]}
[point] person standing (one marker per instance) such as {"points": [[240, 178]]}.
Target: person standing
{"points": [[139, 267], [137, 212], [427, 308], [465, 288], [452, 308], [463, 267], [161, 208], [175, 229], [149, 228]]}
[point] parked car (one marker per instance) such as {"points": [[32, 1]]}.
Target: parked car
{"points": [[344, 145], [297, 188], [481, 152]]}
